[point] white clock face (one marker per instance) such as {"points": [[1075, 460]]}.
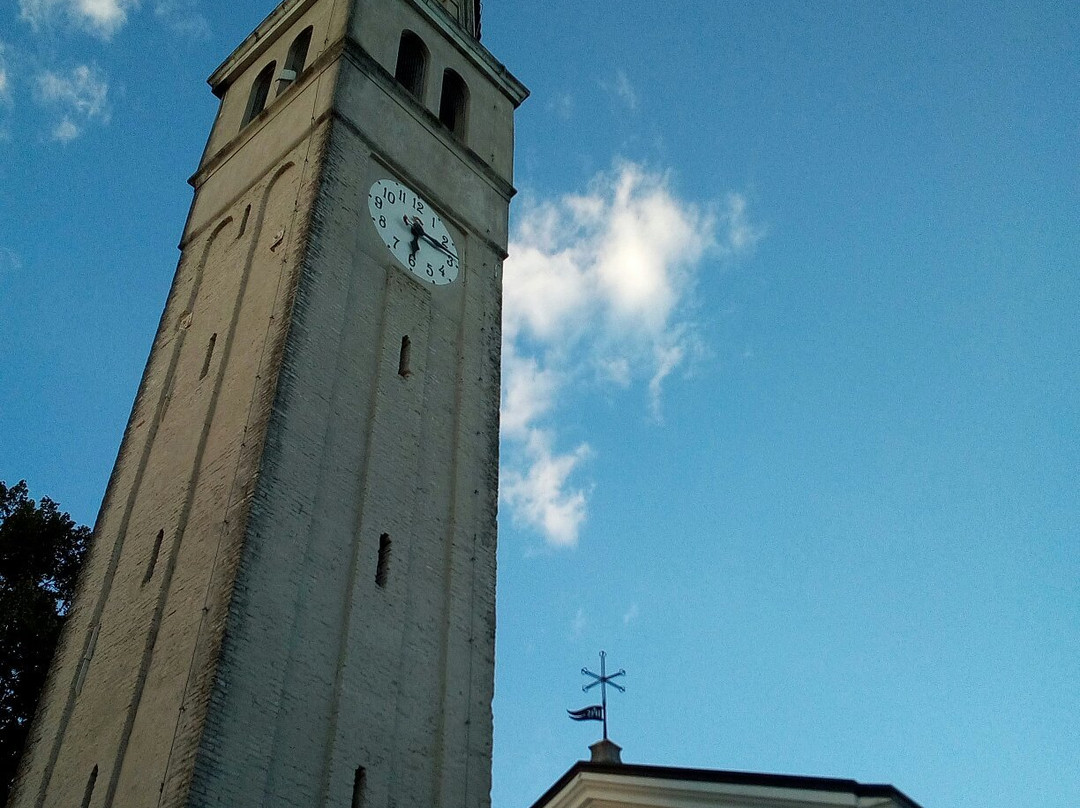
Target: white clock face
{"points": [[413, 233]]}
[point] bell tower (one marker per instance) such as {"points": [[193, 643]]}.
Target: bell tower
{"points": [[290, 598]]}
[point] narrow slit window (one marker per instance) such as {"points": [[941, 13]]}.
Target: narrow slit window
{"points": [[359, 785], [383, 570], [209, 357], [406, 355], [454, 106], [84, 663], [412, 64], [296, 60], [154, 557], [89, 793], [260, 92], [244, 221]]}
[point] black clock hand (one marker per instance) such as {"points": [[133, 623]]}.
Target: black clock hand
{"points": [[416, 229], [440, 246]]}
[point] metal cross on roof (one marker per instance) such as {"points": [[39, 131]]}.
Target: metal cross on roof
{"points": [[603, 680]]}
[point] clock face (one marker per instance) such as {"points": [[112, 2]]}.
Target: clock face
{"points": [[413, 232]]}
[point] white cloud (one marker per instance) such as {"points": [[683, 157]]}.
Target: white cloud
{"points": [[598, 287], [562, 106], [80, 96], [622, 89], [9, 261], [5, 77], [538, 491], [630, 615], [580, 622], [105, 17], [183, 17], [66, 131], [741, 234], [101, 17]]}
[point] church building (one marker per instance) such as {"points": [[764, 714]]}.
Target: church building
{"points": [[588, 785]]}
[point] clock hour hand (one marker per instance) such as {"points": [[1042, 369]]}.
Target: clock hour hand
{"points": [[416, 230]]}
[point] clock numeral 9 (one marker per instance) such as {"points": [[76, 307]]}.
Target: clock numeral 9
{"points": [[378, 202]]}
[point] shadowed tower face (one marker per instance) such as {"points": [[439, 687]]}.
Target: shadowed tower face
{"points": [[290, 600]]}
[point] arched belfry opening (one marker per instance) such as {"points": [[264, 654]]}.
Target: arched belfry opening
{"points": [[260, 93], [412, 61], [454, 105], [296, 60]]}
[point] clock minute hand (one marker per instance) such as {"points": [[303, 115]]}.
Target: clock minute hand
{"points": [[440, 246], [416, 227]]}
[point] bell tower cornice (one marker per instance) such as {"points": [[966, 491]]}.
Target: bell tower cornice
{"points": [[256, 43], [440, 16], [466, 13]]}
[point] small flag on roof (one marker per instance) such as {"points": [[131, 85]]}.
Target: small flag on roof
{"points": [[594, 713]]}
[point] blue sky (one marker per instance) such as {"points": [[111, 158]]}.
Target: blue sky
{"points": [[791, 424]]}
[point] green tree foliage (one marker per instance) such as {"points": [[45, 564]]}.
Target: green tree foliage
{"points": [[41, 552]]}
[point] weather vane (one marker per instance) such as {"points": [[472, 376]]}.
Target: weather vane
{"points": [[598, 712]]}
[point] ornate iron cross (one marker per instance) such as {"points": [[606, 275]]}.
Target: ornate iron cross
{"points": [[603, 680]]}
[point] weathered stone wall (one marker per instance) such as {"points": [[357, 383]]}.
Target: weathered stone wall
{"points": [[324, 671], [154, 595]]}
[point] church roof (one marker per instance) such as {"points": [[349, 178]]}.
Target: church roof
{"points": [[659, 774]]}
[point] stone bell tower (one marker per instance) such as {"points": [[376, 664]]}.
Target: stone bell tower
{"points": [[290, 599]]}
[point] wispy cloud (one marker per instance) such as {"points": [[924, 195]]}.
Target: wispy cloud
{"points": [[183, 17], [599, 287], [5, 76], [101, 17], [622, 89], [9, 261], [562, 106], [579, 623], [104, 18], [78, 96]]}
